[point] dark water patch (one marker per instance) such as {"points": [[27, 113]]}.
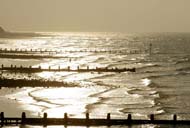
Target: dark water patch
{"points": [[97, 94], [143, 92], [182, 61], [187, 69], [144, 110], [174, 74], [104, 76], [149, 66]]}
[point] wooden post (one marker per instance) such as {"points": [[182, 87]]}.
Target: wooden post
{"points": [[129, 117], [78, 68], [2, 118], [87, 116], [49, 68], [59, 68], [87, 67], [17, 122], [65, 118], [23, 117], [152, 117], [108, 119], [150, 49], [87, 119], [68, 68], [108, 116], [45, 119], [45, 115], [2, 66], [174, 117]]}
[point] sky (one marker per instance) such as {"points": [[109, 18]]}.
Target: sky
{"points": [[96, 15]]}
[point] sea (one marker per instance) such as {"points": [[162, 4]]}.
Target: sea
{"points": [[160, 85]]}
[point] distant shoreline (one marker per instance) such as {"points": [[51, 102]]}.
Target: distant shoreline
{"points": [[6, 34]]}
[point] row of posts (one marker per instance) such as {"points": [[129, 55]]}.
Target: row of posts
{"points": [[45, 115], [2, 66], [27, 50], [30, 67], [59, 51]]}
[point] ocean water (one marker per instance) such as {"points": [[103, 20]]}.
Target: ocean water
{"points": [[159, 86]]}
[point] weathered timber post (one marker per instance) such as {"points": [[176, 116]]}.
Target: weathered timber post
{"points": [[129, 117], [78, 68], [65, 118], [174, 117], [2, 118], [87, 119], [108, 119], [23, 117], [45, 119], [150, 49], [152, 117]]}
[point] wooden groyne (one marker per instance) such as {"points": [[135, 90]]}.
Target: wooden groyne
{"points": [[13, 83], [31, 69], [67, 121], [48, 51], [31, 56]]}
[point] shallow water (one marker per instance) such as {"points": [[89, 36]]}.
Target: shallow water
{"points": [[160, 86]]}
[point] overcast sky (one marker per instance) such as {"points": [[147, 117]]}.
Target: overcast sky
{"points": [[96, 15]]}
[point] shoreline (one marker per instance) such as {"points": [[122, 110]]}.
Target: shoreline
{"points": [[11, 106]]}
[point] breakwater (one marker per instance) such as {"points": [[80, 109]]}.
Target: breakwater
{"points": [[31, 69], [31, 56], [48, 51], [13, 83], [67, 121]]}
